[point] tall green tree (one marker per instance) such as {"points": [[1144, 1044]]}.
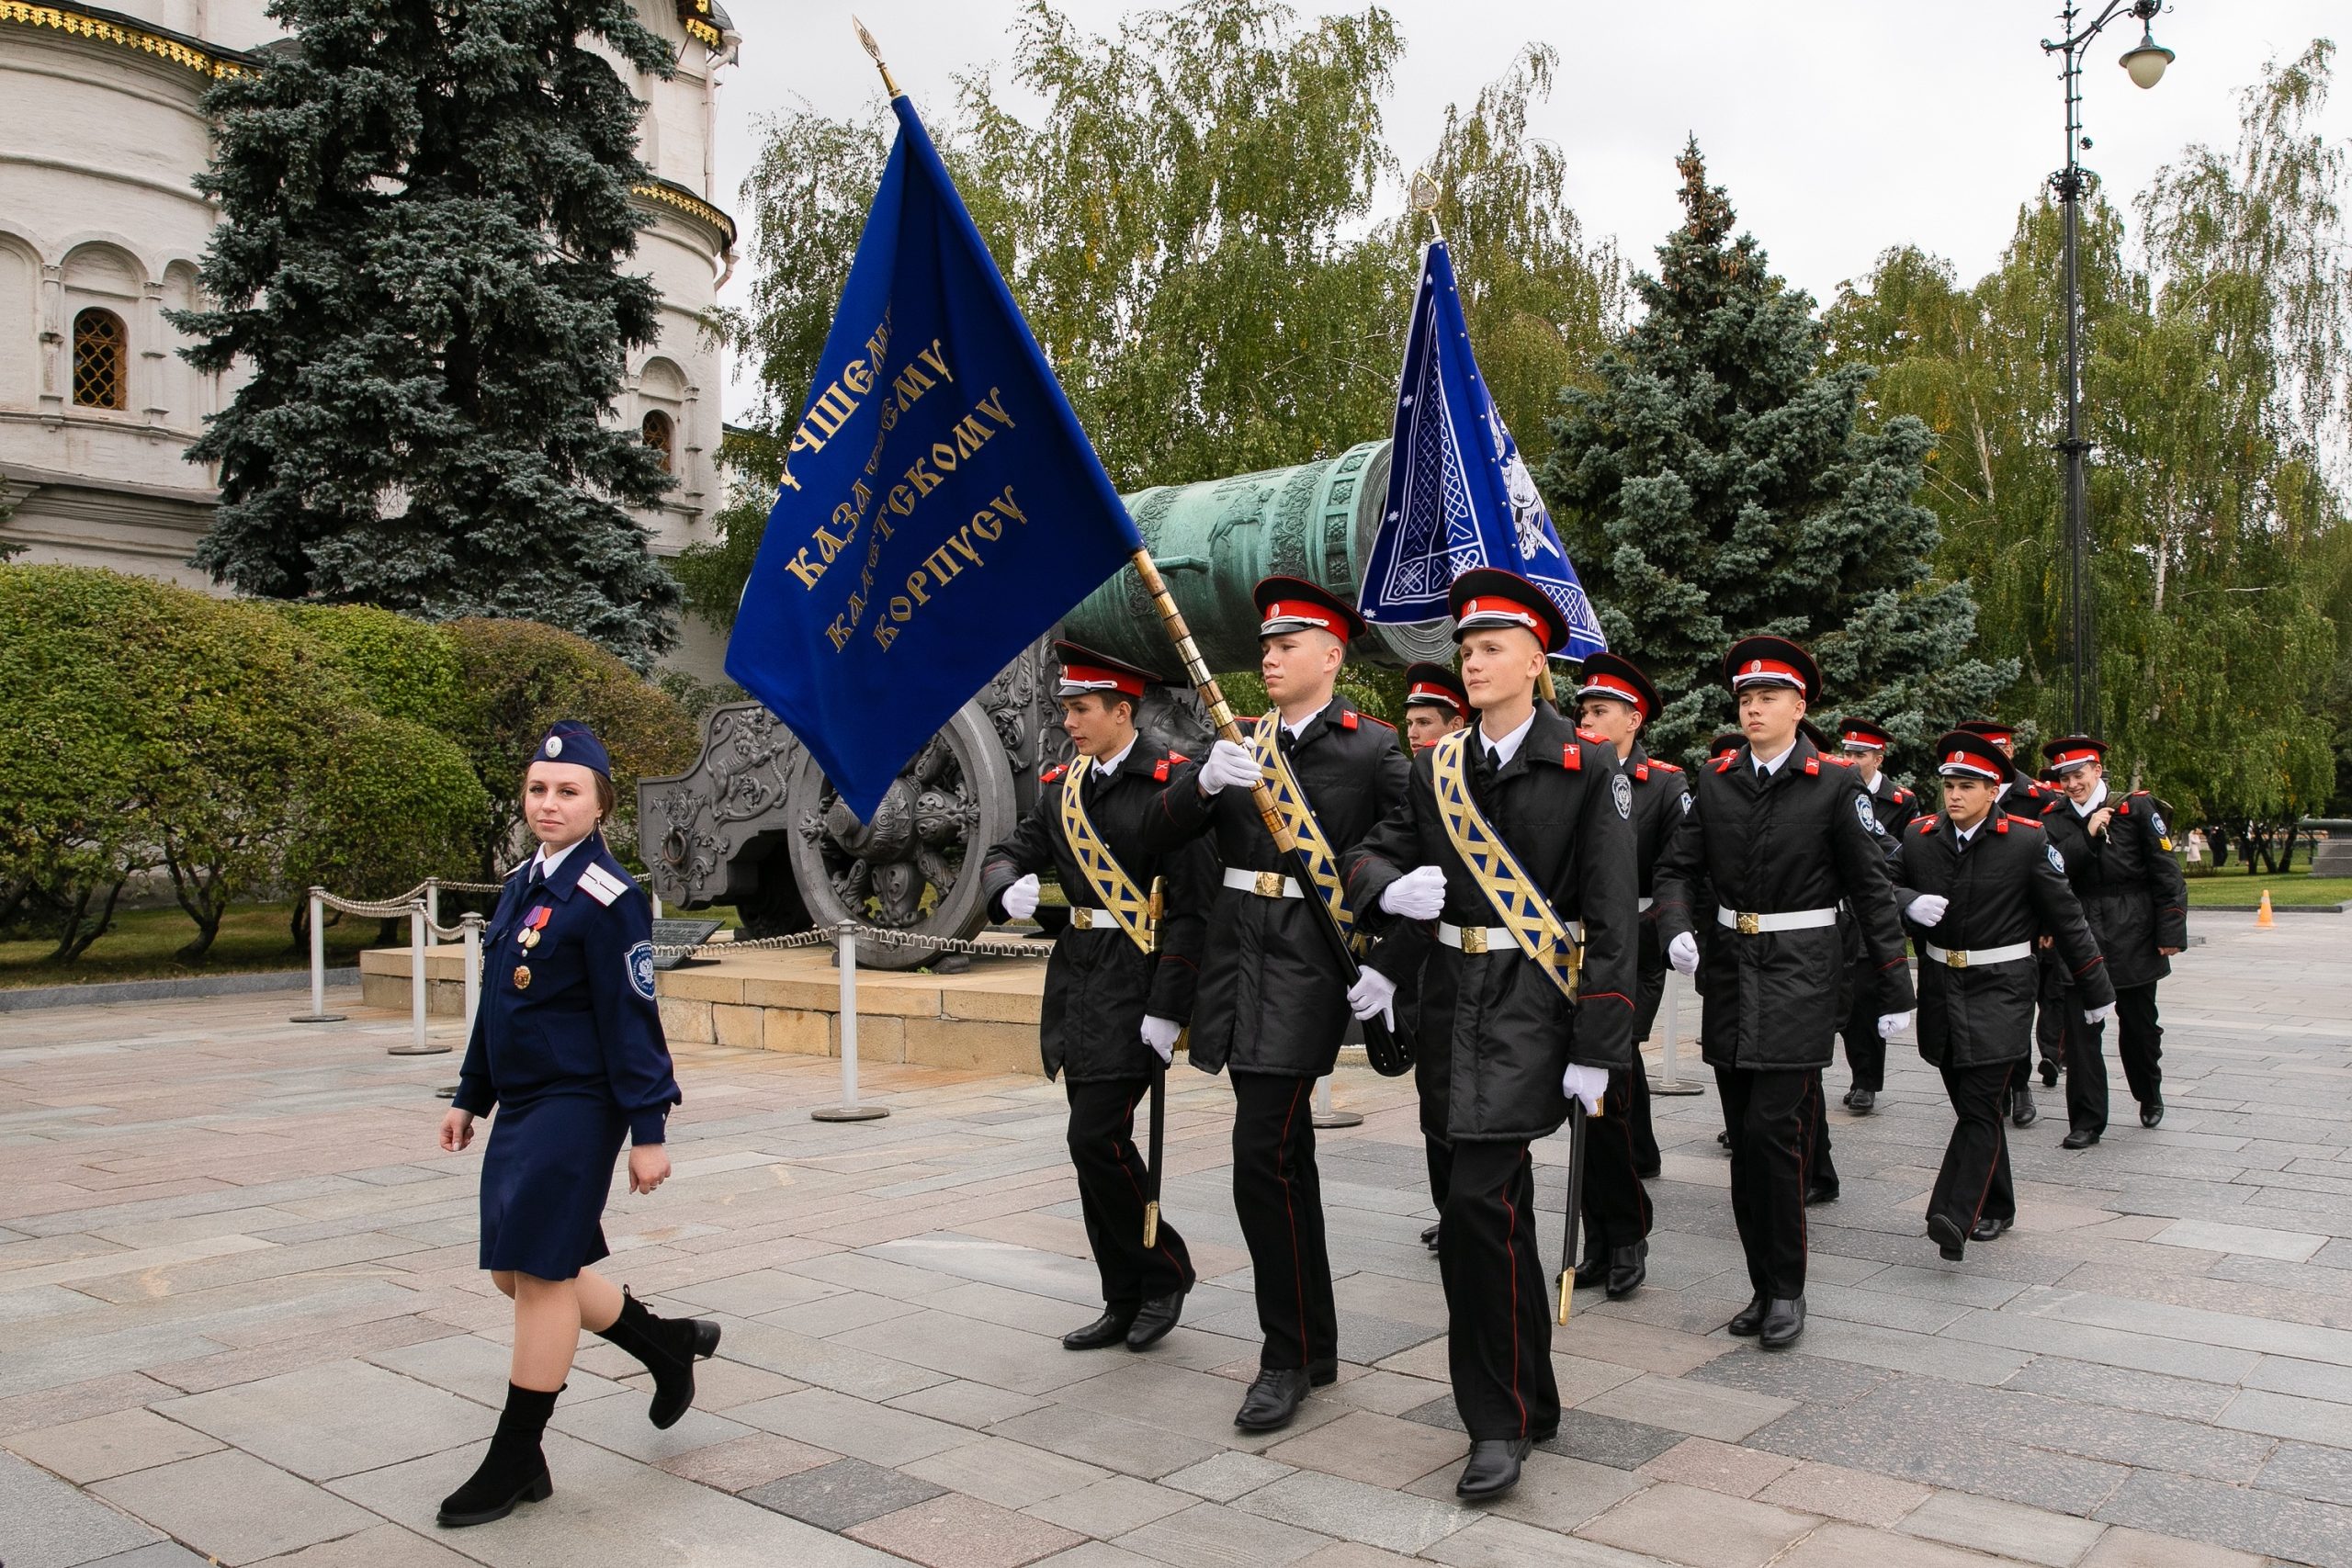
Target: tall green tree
{"points": [[419, 270], [1720, 483]]}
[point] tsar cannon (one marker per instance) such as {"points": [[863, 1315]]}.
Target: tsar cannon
{"points": [[753, 823]]}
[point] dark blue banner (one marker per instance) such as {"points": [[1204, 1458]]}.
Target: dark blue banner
{"points": [[1458, 494], [940, 508]]}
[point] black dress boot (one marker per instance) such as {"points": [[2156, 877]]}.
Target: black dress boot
{"points": [[1592, 1269], [2023, 1112], [1273, 1400], [2151, 1110], [1493, 1469], [1628, 1267], [1108, 1329], [1783, 1322], [513, 1471], [1748, 1320], [1156, 1318], [669, 1348]]}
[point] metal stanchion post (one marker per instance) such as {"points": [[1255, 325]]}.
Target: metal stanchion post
{"points": [[1670, 1081], [1323, 1115], [418, 1045], [849, 1109], [433, 900], [318, 1013], [472, 961]]}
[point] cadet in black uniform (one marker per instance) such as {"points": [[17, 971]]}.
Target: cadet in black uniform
{"points": [[2020, 795], [1272, 1002], [567, 1047], [1435, 707], [1119, 986], [1979, 888], [1560, 812], [1864, 742], [1775, 836], [2137, 901], [1729, 743], [1615, 699]]}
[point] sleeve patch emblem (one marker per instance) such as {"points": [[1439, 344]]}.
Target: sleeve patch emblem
{"points": [[2057, 861], [1686, 803], [640, 969], [2156, 820], [1869, 818], [1621, 789]]}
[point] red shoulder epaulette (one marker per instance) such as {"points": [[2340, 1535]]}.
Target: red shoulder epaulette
{"points": [[1669, 767], [1572, 757], [1902, 796], [1813, 766], [1348, 719], [1729, 757], [1584, 734], [2123, 806], [2021, 821], [2053, 806], [1834, 761], [1928, 824], [1050, 775], [2003, 825], [1642, 771], [1375, 718]]}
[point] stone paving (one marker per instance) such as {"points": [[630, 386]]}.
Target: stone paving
{"points": [[244, 1324]]}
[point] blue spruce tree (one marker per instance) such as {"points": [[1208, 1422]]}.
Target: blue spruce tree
{"points": [[424, 214], [1719, 482]]}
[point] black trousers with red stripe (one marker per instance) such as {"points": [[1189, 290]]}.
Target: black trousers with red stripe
{"points": [[1497, 1301], [1112, 1187], [1616, 1206], [1767, 1109], [1975, 1181], [1278, 1197]]}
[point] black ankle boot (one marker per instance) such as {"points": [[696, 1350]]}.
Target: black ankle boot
{"points": [[514, 1470], [668, 1346]]}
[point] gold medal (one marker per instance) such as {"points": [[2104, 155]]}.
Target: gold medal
{"points": [[531, 937], [522, 976]]}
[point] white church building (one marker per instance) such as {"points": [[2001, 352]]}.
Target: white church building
{"points": [[101, 230]]}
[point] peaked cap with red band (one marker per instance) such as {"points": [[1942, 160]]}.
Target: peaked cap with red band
{"points": [[1772, 661], [1863, 735], [1964, 754], [2071, 751], [1434, 685], [1612, 675], [1084, 671], [1295, 605], [1991, 729], [1487, 596]]}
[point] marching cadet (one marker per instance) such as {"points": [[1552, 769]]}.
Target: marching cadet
{"points": [[567, 1047], [1979, 888], [1777, 834], [1272, 999], [1525, 828], [1119, 984], [1435, 707], [2136, 899], [1615, 700], [1864, 742], [2022, 795], [1729, 743]]}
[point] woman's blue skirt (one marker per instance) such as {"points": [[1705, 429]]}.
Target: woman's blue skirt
{"points": [[544, 1179]]}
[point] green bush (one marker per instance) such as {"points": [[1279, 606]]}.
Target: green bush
{"points": [[401, 668], [377, 774], [518, 678]]}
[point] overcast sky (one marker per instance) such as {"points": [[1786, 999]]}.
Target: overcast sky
{"points": [[1841, 127]]}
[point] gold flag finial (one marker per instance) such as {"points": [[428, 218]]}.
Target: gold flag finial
{"points": [[874, 49], [1422, 195]]}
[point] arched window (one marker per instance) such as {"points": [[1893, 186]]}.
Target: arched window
{"points": [[99, 368], [661, 436]]}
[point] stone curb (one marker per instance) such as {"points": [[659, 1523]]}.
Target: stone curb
{"points": [[33, 997]]}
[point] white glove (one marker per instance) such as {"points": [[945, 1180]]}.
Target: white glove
{"points": [[1373, 993], [1927, 908], [1160, 1033], [2098, 1015], [1419, 895], [1891, 1024], [1683, 953], [1227, 763], [1588, 1084], [1020, 898]]}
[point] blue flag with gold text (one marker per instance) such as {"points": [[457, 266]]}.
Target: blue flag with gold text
{"points": [[940, 508], [1459, 494]]}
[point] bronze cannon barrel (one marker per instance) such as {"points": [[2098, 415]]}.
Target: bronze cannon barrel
{"points": [[1214, 540]]}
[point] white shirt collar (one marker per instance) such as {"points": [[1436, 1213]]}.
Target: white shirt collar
{"points": [[1508, 747], [1964, 834], [1105, 766], [2097, 799], [1773, 765], [1295, 730], [543, 863]]}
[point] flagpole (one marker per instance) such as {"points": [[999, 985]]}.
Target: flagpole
{"points": [[1423, 194], [874, 50]]}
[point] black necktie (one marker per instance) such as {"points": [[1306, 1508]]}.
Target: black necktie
{"points": [[1494, 760]]}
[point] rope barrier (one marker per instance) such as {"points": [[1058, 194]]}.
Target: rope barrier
{"points": [[976, 947]]}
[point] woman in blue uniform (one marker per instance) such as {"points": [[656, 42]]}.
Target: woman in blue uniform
{"points": [[568, 1046]]}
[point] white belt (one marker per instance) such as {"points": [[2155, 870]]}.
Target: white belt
{"points": [[1478, 939], [1787, 920], [1977, 957], [1264, 883]]}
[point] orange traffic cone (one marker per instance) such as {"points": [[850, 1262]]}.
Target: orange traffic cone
{"points": [[2262, 920]]}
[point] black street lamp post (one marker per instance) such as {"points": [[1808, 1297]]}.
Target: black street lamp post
{"points": [[2145, 63]]}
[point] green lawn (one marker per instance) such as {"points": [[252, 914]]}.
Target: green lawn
{"points": [[2233, 886], [140, 945]]}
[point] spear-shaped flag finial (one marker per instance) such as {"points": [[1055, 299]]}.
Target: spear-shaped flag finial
{"points": [[874, 49]]}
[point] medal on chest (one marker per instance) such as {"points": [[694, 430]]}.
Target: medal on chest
{"points": [[522, 976], [535, 922]]}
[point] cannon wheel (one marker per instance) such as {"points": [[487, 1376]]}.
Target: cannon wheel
{"points": [[916, 866]]}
